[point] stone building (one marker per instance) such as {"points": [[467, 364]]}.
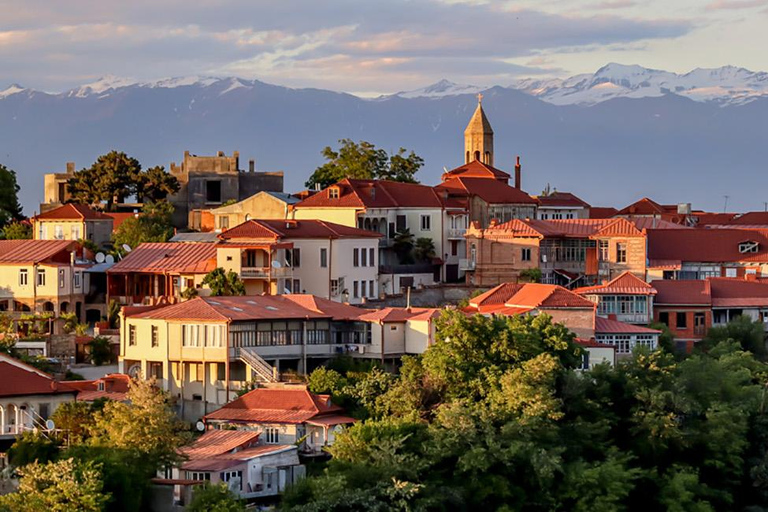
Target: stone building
{"points": [[55, 185], [209, 181]]}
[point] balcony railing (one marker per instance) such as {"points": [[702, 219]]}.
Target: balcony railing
{"points": [[263, 272], [466, 264], [456, 232]]}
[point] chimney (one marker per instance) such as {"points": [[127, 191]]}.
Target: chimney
{"points": [[518, 173], [219, 153], [70, 167], [251, 165]]}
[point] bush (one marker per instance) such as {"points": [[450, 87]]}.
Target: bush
{"points": [[215, 498]]}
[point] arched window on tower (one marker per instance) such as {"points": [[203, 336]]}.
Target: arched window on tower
{"points": [[488, 157], [477, 156], [466, 161]]}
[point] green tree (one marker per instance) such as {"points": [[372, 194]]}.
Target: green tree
{"points": [[110, 179], [742, 329], [155, 184], [75, 420], [362, 160], [403, 246], [100, 350], [62, 486], [146, 425], [17, 231], [424, 250], [223, 283], [32, 447], [153, 225], [215, 498], [10, 208]]}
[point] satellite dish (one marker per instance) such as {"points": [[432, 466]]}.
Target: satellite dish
{"points": [[276, 264], [110, 259], [200, 426], [126, 248], [286, 291], [100, 257], [50, 425]]}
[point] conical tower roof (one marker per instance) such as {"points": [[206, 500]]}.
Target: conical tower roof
{"points": [[479, 123]]}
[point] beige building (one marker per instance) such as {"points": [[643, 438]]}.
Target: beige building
{"points": [[28, 397], [263, 205], [302, 256], [73, 222], [55, 188], [42, 275]]}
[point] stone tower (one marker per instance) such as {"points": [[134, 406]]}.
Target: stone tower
{"points": [[478, 137]]}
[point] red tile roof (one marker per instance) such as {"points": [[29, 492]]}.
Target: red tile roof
{"points": [[170, 258], [610, 326], [115, 387], [529, 296], [275, 405], [602, 212], [118, 218], [256, 307], [490, 191], [219, 442], [750, 218], [72, 211], [707, 218], [230, 459], [646, 206], [34, 251], [20, 379], [714, 291], [625, 283], [562, 199], [279, 229], [386, 315], [476, 169], [573, 228], [374, 194], [689, 293], [705, 245]]}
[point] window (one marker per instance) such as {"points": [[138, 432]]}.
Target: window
{"points": [[41, 277], [525, 254], [44, 410], [363, 258], [296, 286], [454, 247], [730, 272], [132, 335], [271, 435], [750, 246], [699, 326], [232, 476], [335, 287], [602, 246], [77, 279], [23, 277], [621, 252], [100, 386], [156, 370], [355, 257], [75, 232], [323, 257], [224, 222], [199, 476], [190, 335], [58, 232], [664, 318], [400, 223], [213, 191], [362, 289], [296, 257], [681, 320], [333, 192], [372, 257], [371, 291], [155, 336], [221, 371], [426, 222], [355, 290], [62, 278]]}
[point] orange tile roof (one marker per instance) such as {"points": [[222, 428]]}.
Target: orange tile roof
{"points": [[490, 191], [646, 206], [392, 314], [115, 387], [72, 211], [476, 169], [374, 194], [275, 405], [529, 296], [563, 199], [20, 379], [750, 218], [223, 309], [714, 291], [705, 245], [34, 251], [218, 442], [625, 283], [168, 258], [690, 293], [610, 326], [581, 228], [231, 459], [118, 218], [279, 229], [602, 212], [336, 310]]}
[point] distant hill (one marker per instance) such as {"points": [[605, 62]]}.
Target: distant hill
{"points": [[611, 137]]}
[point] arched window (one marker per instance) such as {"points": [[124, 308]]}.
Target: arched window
{"points": [[488, 157], [367, 224], [477, 156], [466, 161]]}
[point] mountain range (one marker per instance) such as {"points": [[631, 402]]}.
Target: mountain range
{"points": [[610, 137]]}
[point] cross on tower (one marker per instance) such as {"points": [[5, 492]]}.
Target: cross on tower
{"points": [[479, 97]]}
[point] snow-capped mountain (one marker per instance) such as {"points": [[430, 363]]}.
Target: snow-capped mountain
{"points": [[439, 89], [728, 85], [110, 83]]}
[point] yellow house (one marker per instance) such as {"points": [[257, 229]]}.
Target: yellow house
{"points": [[41, 275], [73, 222], [264, 205]]}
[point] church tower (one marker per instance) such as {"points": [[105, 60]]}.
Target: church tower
{"points": [[478, 137]]}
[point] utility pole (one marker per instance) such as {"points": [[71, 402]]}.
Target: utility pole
{"points": [[725, 206]]}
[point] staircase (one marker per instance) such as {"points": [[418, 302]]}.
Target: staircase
{"points": [[263, 369]]}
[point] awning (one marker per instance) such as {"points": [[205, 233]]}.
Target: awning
{"points": [[333, 419]]}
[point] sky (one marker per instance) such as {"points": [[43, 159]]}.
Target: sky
{"points": [[369, 47]]}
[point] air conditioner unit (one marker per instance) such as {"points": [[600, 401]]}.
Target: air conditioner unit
{"points": [[361, 349]]}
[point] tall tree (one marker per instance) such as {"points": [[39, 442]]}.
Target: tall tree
{"points": [[10, 209], [110, 179], [17, 231], [362, 160], [152, 225], [223, 283], [156, 184]]}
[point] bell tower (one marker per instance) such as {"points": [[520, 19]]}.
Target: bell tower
{"points": [[478, 137]]}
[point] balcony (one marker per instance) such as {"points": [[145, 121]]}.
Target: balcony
{"points": [[456, 233], [466, 265], [264, 272]]}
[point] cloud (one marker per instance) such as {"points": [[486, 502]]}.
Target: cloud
{"points": [[719, 5], [612, 4], [298, 42]]}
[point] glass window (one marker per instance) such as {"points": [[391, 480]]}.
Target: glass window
{"points": [[355, 290], [271, 435], [23, 277], [355, 257], [426, 222], [681, 321], [525, 254], [323, 257], [621, 252], [77, 279], [363, 258], [41, 277], [372, 256], [370, 289], [132, 335], [155, 336]]}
